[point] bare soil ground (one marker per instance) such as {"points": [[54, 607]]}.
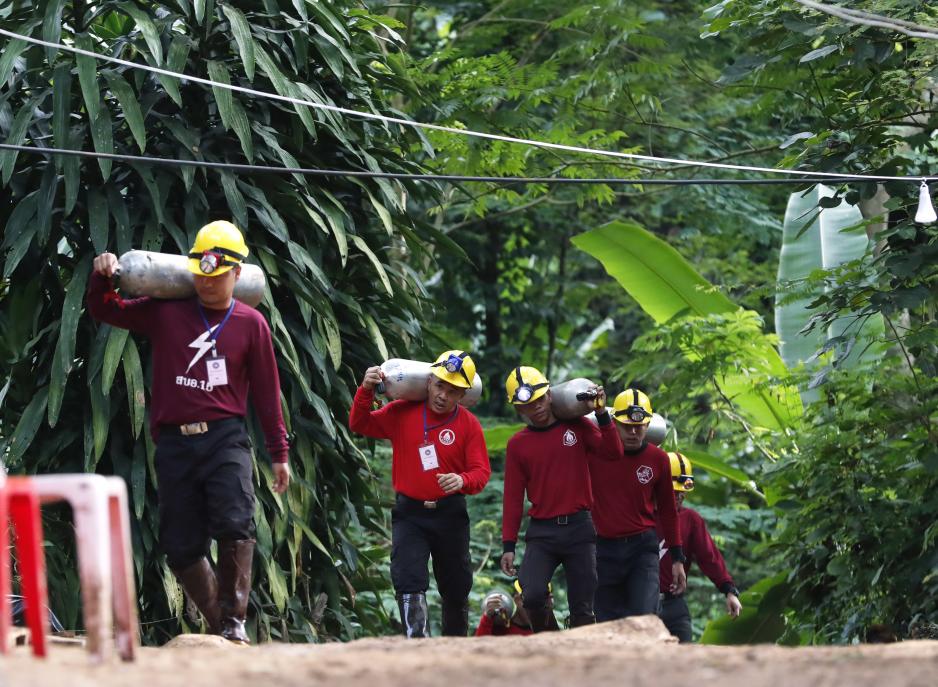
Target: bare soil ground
{"points": [[636, 652]]}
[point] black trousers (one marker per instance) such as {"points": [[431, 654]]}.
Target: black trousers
{"points": [[628, 576], [206, 489], [569, 541], [675, 615], [440, 534]]}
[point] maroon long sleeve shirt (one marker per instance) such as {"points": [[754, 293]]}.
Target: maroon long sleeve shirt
{"points": [[698, 547], [551, 464], [625, 493], [488, 628], [457, 437], [180, 392]]}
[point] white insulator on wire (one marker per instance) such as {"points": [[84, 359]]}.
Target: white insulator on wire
{"points": [[926, 211]]}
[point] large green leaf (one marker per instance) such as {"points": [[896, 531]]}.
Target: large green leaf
{"points": [[128, 102], [813, 240], [761, 620], [147, 28], [65, 347], [496, 438], [242, 33], [665, 285]]}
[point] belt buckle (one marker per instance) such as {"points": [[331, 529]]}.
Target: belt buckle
{"points": [[563, 519], [430, 504], [193, 428]]}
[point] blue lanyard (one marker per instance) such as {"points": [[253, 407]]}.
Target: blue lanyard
{"points": [[426, 430], [213, 336]]}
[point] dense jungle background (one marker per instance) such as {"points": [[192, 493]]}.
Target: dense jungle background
{"points": [[787, 332]]}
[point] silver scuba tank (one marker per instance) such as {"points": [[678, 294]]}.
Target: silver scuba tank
{"points": [[163, 275], [407, 379], [572, 399], [657, 428]]}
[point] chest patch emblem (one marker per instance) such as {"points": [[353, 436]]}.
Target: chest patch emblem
{"points": [[645, 474], [447, 437], [569, 438]]}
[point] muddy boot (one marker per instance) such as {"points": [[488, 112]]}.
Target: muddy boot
{"points": [[541, 619], [580, 619], [198, 580], [455, 618], [414, 615], [234, 586]]}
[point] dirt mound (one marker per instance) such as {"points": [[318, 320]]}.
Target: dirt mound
{"points": [[636, 651]]}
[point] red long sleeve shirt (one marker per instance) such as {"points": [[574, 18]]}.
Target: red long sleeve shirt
{"points": [[698, 546], [625, 493], [488, 628], [552, 465], [180, 392], [460, 445]]}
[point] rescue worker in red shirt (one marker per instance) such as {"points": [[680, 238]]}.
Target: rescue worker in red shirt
{"points": [[439, 456], [698, 546], [210, 352], [626, 493], [549, 460], [504, 615]]}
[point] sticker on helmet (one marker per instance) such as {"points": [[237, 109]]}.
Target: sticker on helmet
{"points": [[569, 438], [447, 437], [645, 474]]}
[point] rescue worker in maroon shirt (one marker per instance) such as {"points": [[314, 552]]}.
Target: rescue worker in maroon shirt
{"points": [[626, 493], [505, 615], [549, 460], [698, 546], [210, 353], [439, 456]]}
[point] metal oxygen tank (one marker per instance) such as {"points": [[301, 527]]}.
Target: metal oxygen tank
{"points": [[657, 428], [164, 275], [573, 398], [407, 380]]}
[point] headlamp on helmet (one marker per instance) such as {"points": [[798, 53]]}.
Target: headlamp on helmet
{"points": [[210, 261], [634, 413], [453, 364]]}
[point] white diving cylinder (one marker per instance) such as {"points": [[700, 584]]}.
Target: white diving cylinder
{"points": [[657, 428], [572, 399], [407, 380], [167, 276]]}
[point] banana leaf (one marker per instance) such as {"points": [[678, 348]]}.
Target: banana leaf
{"points": [[665, 285]]}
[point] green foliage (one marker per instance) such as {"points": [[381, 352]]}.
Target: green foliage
{"points": [[667, 287], [340, 295], [858, 502], [761, 619]]}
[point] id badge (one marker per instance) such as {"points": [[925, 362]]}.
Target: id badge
{"points": [[428, 457], [217, 372]]}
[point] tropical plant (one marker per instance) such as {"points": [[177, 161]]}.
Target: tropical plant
{"points": [[340, 296]]}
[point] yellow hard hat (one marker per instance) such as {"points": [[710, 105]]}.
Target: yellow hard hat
{"points": [[632, 407], [525, 384], [682, 472], [455, 367], [218, 247]]}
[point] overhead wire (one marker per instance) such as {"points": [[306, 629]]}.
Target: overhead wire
{"points": [[455, 130], [402, 176]]}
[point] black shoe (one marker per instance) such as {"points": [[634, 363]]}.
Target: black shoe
{"points": [[414, 614]]}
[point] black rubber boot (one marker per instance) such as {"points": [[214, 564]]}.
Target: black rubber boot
{"points": [[581, 619], [199, 582], [414, 614], [234, 586], [542, 619], [455, 618]]}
